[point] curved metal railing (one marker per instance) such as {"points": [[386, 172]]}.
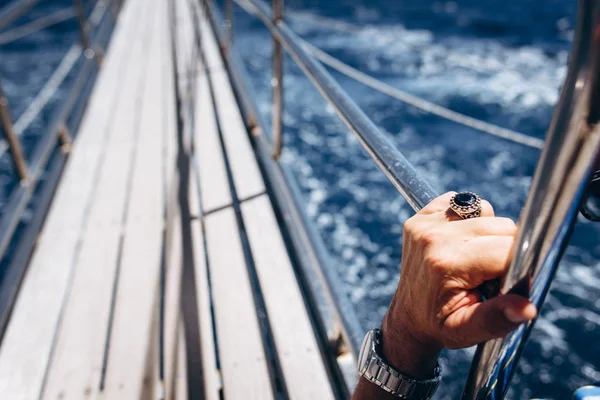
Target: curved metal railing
{"points": [[49, 154], [559, 183], [558, 186]]}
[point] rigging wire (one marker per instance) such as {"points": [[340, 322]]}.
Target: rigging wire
{"points": [[403, 96], [422, 104], [36, 26], [319, 20], [47, 92]]}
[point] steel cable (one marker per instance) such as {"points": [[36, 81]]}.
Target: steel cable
{"points": [[422, 104], [36, 26], [401, 95]]}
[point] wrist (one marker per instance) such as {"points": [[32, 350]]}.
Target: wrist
{"points": [[407, 352]]}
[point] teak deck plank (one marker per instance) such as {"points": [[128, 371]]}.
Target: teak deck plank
{"points": [[213, 175], [28, 342], [181, 381], [243, 365], [203, 299], [79, 351], [299, 355], [186, 61], [233, 303], [209, 42], [246, 174], [132, 349], [174, 354], [172, 313], [170, 146]]}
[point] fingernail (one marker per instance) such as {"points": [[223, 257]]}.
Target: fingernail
{"points": [[514, 316]]}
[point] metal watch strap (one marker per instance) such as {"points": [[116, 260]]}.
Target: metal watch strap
{"points": [[392, 381]]}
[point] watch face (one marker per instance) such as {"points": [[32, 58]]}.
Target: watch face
{"points": [[363, 357]]}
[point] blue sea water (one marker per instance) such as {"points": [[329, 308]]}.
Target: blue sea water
{"points": [[499, 61], [25, 66]]}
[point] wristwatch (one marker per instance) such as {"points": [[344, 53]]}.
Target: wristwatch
{"points": [[373, 367]]}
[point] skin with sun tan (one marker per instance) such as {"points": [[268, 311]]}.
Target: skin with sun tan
{"points": [[437, 304]]}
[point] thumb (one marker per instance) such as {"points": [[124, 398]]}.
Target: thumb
{"points": [[491, 319]]}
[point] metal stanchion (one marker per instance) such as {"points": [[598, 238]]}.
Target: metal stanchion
{"points": [[277, 83], [114, 9], [13, 143], [79, 11], [65, 138], [88, 51], [228, 26]]}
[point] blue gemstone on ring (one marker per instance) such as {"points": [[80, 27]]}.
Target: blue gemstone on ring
{"points": [[465, 199]]}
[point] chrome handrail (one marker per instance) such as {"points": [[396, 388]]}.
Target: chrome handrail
{"points": [[550, 212], [396, 167], [277, 83]]}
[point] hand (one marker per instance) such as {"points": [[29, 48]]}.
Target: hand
{"points": [[437, 304]]}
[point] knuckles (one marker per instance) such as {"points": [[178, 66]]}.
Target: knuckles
{"points": [[420, 232], [429, 238], [423, 233], [507, 225], [437, 262], [410, 227]]}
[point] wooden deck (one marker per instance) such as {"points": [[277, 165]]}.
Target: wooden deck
{"points": [[131, 282]]}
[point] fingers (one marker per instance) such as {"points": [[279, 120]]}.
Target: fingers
{"points": [[481, 259], [438, 204], [484, 226], [492, 319], [486, 209]]}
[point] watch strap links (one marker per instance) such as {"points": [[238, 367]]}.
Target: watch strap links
{"points": [[390, 380], [381, 374]]}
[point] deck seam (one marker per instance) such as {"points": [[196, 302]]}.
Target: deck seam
{"points": [[196, 384], [82, 228], [307, 303], [144, 100], [241, 201], [304, 270], [132, 158], [277, 378]]}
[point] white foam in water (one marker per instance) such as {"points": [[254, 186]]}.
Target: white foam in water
{"points": [[515, 77]]}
